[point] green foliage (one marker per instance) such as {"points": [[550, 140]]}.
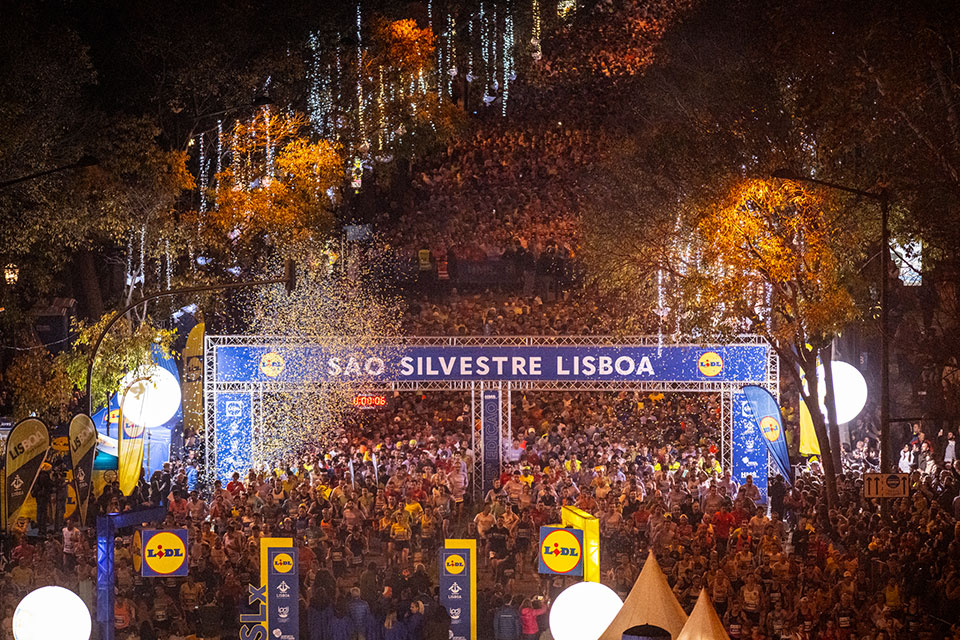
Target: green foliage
{"points": [[124, 348], [39, 386]]}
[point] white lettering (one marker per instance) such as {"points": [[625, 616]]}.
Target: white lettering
{"points": [[483, 365], [589, 365], [519, 366], [430, 370], [500, 360], [333, 367], [561, 371], [406, 366], [645, 366], [352, 368], [606, 365], [535, 363], [466, 366], [628, 363], [374, 366], [447, 365]]}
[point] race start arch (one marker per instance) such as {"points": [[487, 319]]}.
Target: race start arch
{"points": [[240, 369]]}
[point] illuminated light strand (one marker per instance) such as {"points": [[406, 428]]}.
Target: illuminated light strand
{"points": [[268, 141], [381, 109], [166, 251], [360, 125], [216, 204], [202, 178], [508, 61], [535, 10]]}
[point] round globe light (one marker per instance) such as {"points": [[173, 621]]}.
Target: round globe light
{"points": [[850, 390], [149, 396], [583, 611], [51, 612]]}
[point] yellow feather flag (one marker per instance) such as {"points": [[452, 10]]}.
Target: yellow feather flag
{"points": [[809, 445]]}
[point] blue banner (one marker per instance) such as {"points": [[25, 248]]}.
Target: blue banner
{"points": [[749, 452], [234, 434], [490, 429], [455, 591], [766, 415], [283, 593], [312, 364]]}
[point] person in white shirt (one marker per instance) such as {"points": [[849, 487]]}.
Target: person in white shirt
{"points": [[950, 449], [71, 543]]}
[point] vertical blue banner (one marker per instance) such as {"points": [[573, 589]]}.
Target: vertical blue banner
{"points": [[233, 424], [283, 593], [766, 414], [749, 450], [490, 419], [456, 591]]}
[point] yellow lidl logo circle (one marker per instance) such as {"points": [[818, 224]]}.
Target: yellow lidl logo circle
{"points": [[710, 364], [561, 551], [282, 563], [770, 428], [271, 364], [132, 431], [455, 564], [164, 552]]}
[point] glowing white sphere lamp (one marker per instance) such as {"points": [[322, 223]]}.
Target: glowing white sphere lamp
{"points": [[850, 390], [51, 612], [583, 611], [149, 396]]}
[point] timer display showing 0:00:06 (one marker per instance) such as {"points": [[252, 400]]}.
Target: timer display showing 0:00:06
{"points": [[369, 401]]}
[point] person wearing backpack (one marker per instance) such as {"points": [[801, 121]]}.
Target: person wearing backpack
{"points": [[506, 622]]}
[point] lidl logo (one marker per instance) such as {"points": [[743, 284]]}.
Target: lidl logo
{"points": [[710, 364], [271, 364], [561, 551], [454, 564], [164, 552], [282, 563], [132, 431], [770, 428]]}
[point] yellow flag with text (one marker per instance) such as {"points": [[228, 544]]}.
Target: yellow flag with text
{"points": [[809, 445]]}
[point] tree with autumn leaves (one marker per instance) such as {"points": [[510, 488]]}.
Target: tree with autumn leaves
{"points": [[777, 260]]}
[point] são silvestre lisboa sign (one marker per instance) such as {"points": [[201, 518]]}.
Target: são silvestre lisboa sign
{"points": [[410, 363]]}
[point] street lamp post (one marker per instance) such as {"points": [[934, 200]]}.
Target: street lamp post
{"points": [[289, 279], [83, 162], [883, 198]]}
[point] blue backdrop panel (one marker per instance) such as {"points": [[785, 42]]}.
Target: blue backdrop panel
{"points": [[749, 450], [234, 430], [311, 364]]}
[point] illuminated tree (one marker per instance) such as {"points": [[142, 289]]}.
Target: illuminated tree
{"points": [[279, 188], [777, 260]]}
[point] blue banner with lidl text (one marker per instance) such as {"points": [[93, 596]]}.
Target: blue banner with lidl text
{"points": [[766, 415], [304, 364]]}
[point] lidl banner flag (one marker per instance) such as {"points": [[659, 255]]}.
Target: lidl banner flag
{"points": [[192, 386], [83, 447], [458, 587], [561, 551], [130, 460], [766, 415], [283, 593], [27, 448], [749, 452], [163, 553], [809, 445]]}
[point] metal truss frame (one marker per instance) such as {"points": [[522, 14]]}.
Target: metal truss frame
{"points": [[726, 390]]}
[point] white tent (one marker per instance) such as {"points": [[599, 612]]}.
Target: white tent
{"points": [[650, 601], [703, 624]]}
